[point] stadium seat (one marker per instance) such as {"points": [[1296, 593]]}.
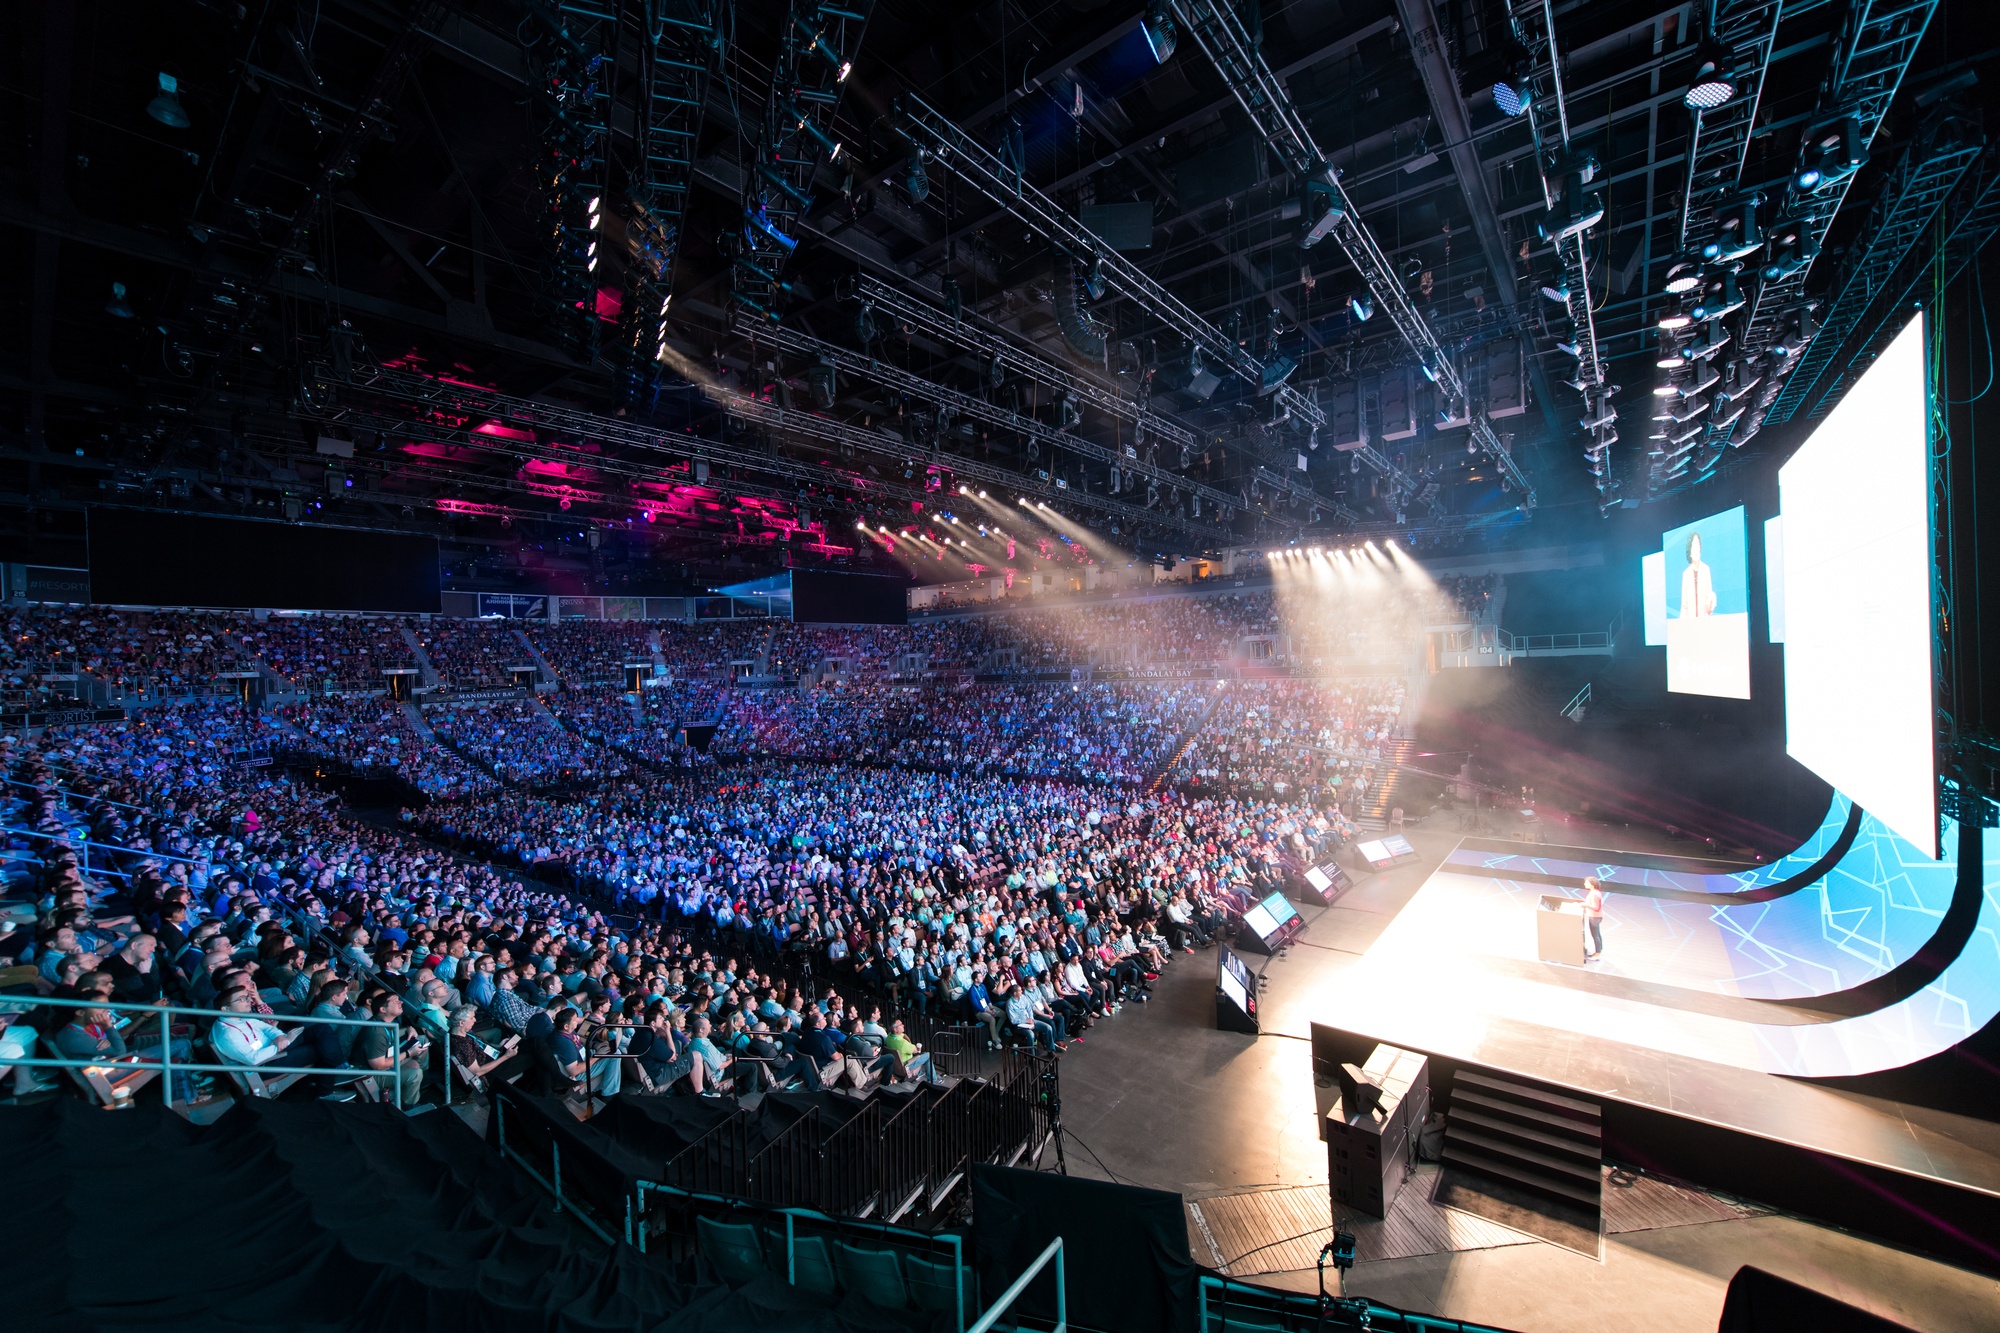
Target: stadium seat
{"points": [[876, 1275], [731, 1248], [812, 1266], [932, 1285]]}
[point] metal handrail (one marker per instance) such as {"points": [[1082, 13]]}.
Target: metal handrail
{"points": [[166, 1012], [1364, 1313], [1020, 1284]]}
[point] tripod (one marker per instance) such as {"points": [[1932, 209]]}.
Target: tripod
{"points": [[1047, 1070]]}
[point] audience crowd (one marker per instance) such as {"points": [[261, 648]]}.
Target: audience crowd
{"points": [[756, 909]]}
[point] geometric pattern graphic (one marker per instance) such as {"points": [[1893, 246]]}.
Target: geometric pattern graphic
{"points": [[1870, 913], [1695, 979]]}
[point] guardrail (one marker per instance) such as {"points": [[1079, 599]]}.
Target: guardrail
{"points": [[1224, 1303], [162, 1056], [1020, 1284]]}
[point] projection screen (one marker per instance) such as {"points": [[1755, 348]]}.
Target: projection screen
{"points": [[1857, 596]]}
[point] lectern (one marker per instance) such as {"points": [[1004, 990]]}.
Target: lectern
{"points": [[1559, 930]]}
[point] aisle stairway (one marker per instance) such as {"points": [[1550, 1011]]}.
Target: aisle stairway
{"points": [[1527, 1137], [1390, 787]]}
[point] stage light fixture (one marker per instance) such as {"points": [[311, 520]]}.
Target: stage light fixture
{"points": [[1558, 292], [1581, 209], [117, 306], [166, 104], [1362, 306], [1684, 274], [1673, 317], [1161, 32], [1722, 299], [1712, 84], [1833, 152], [1323, 213], [804, 124], [1670, 356], [1736, 231]]}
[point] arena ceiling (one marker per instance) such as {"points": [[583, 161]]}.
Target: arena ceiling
{"points": [[679, 280]]}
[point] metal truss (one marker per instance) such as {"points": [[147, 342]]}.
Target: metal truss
{"points": [[452, 412], [817, 43], [572, 109], [991, 347], [677, 42], [1534, 28], [1264, 99], [1964, 225], [861, 366], [1717, 148], [1927, 174], [1721, 137], [1872, 53], [986, 173]]}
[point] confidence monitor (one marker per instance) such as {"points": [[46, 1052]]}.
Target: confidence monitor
{"points": [[1235, 993], [1269, 925], [1858, 617]]}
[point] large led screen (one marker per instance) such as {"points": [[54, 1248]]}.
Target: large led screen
{"points": [[1857, 596], [1706, 582]]}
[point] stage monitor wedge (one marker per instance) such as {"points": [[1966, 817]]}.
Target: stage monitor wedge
{"points": [[1860, 702]]}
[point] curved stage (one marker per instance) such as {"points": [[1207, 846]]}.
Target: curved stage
{"points": [[1709, 965]]}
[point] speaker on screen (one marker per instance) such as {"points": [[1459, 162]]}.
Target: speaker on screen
{"points": [[142, 557]]}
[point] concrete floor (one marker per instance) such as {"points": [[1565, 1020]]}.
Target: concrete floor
{"points": [[1158, 1097]]}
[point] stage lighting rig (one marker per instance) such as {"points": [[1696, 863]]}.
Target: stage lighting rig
{"points": [[1219, 30], [1582, 206], [815, 55], [1712, 83], [1723, 297], [1832, 153], [1323, 211], [1736, 231], [166, 104]]}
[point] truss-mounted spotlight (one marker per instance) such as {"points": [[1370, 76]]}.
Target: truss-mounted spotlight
{"points": [[804, 125], [1581, 208], [1736, 231], [1161, 34], [1670, 357], [166, 104], [1558, 292], [1324, 212], [816, 43], [1603, 416], [756, 224], [1673, 317], [1362, 306], [1793, 250], [1724, 298], [118, 307], [823, 383], [1712, 84], [1831, 153], [1683, 274]]}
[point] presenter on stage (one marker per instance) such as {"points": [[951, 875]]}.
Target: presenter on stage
{"points": [[1697, 584], [1593, 918]]}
